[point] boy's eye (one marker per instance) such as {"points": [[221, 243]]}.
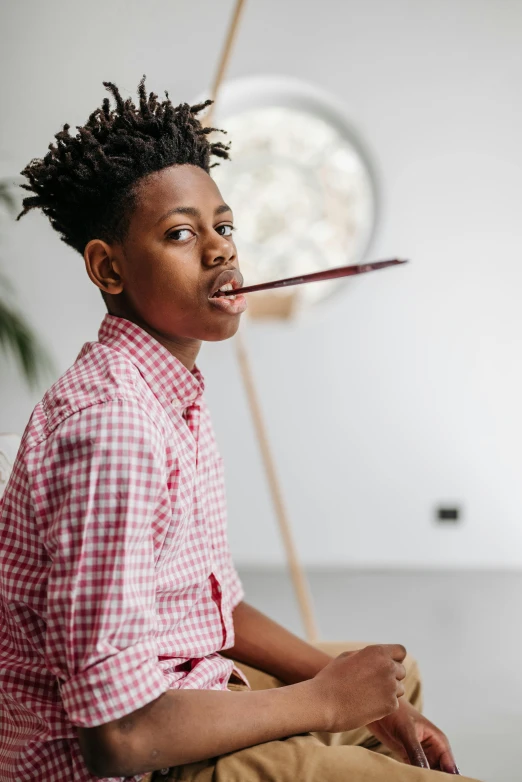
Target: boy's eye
{"points": [[225, 230], [180, 234]]}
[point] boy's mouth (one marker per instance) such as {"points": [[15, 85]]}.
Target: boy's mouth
{"points": [[227, 287], [227, 280]]}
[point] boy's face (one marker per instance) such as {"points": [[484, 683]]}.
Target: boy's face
{"points": [[177, 252]]}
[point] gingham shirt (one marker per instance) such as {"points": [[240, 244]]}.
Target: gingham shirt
{"points": [[116, 581]]}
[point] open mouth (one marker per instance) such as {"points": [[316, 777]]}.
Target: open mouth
{"points": [[227, 287], [220, 296], [227, 280]]}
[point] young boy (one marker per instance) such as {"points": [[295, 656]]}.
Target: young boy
{"points": [[125, 643]]}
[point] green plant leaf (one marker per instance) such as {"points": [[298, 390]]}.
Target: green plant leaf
{"points": [[17, 336], [7, 197]]}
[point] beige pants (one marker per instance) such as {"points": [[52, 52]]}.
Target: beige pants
{"points": [[354, 756]]}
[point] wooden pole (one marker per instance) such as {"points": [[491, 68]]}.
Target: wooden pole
{"points": [[227, 48], [296, 570]]}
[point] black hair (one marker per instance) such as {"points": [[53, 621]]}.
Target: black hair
{"points": [[86, 184]]}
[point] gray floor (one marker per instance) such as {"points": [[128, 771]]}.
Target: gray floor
{"points": [[465, 629]]}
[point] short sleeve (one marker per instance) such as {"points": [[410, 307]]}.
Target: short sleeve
{"points": [[105, 487]]}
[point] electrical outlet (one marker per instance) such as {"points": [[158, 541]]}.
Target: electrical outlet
{"points": [[448, 514]]}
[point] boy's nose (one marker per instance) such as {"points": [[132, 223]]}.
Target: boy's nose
{"points": [[219, 252]]}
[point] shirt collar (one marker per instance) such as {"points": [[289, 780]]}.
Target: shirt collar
{"points": [[170, 381]]}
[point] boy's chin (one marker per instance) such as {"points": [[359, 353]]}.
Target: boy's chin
{"points": [[224, 331]]}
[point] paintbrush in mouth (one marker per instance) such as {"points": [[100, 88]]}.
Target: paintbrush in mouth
{"points": [[327, 274]]}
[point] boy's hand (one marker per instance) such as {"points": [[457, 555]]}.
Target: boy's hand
{"points": [[360, 687], [415, 739]]}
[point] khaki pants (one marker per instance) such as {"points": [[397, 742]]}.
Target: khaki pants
{"points": [[354, 756]]}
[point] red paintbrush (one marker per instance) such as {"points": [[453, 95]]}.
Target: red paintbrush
{"points": [[327, 274]]}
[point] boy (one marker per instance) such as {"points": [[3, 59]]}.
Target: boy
{"points": [[122, 613]]}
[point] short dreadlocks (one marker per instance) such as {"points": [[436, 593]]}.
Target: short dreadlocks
{"points": [[86, 184]]}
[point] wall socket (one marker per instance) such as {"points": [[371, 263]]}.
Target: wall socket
{"points": [[448, 514]]}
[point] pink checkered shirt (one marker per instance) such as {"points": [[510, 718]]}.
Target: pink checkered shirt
{"points": [[116, 581]]}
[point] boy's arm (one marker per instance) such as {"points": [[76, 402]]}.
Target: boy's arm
{"points": [[184, 726], [262, 643]]}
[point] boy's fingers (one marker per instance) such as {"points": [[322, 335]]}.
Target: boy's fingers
{"points": [[412, 746], [396, 651], [416, 756], [445, 761], [400, 671]]}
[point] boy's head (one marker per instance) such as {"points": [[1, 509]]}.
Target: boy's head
{"points": [[132, 193]]}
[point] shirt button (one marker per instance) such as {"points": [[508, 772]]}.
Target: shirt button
{"points": [[176, 402], [219, 590]]}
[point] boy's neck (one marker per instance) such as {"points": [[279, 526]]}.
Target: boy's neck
{"points": [[185, 350]]}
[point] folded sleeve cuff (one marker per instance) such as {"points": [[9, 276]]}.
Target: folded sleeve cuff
{"points": [[117, 686]]}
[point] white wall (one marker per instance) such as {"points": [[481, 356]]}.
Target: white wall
{"points": [[405, 390]]}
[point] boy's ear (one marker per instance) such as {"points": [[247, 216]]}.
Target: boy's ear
{"points": [[102, 267]]}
